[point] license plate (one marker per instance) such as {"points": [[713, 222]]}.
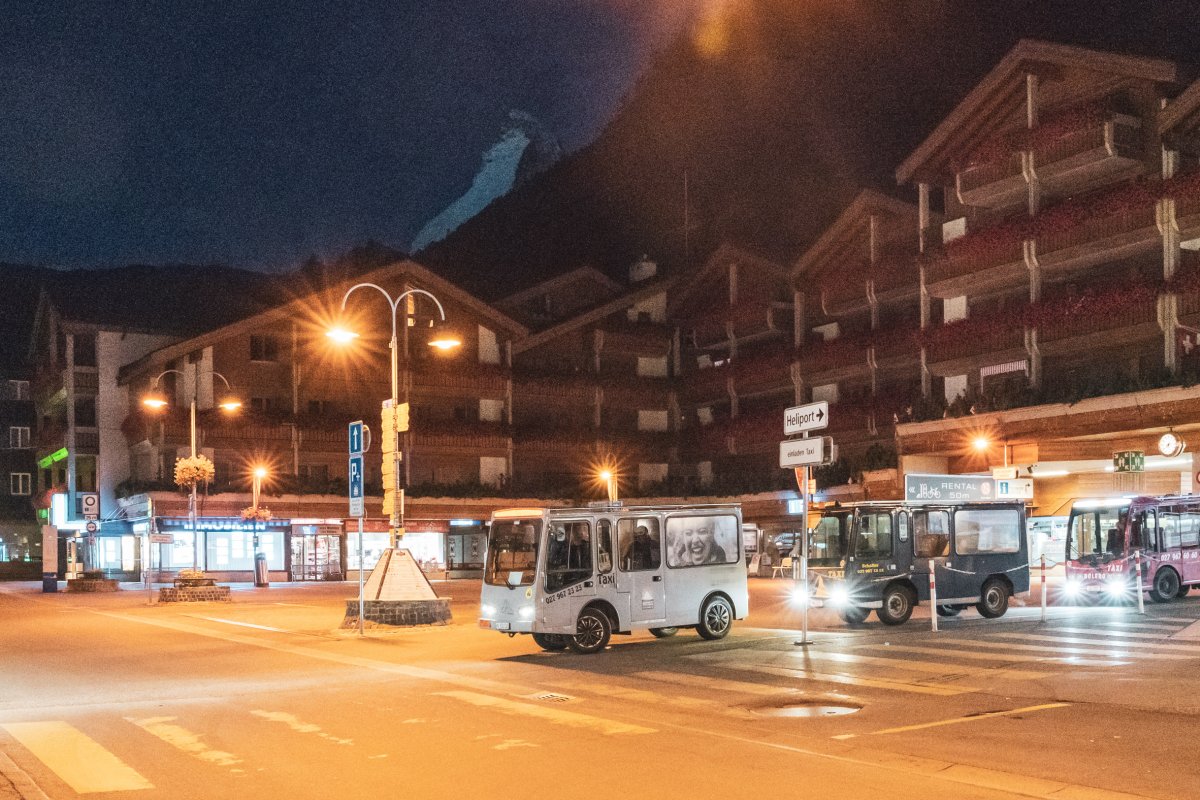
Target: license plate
{"points": [[501, 626]]}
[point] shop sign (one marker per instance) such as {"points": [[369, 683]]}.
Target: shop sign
{"points": [[959, 488]]}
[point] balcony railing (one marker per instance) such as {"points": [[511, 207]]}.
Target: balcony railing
{"points": [[980, 176], [764, 370], [472, 379], [841, 352], [1099, 229], [1088, 145], [580, 388], [637, 392], [896, 343], [975, 337], [1102, 313], [87, 442], [707, 384], [643, 339], [978, 252]]}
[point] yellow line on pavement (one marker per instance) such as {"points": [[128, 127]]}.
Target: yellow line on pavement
{"points": [[974, 718], [80, 761], [556, 715]]}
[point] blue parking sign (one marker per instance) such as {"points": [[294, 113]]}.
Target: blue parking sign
{"points": [[356, 486]]}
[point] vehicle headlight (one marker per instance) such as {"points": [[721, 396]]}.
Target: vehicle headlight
{"points": [[1072, 587], [1116, 587], [800, 595], [526, 612], [487, 610], [839, 595]]}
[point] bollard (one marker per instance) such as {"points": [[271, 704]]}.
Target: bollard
{"points": [[804, 640], [933, 615], [1043, 587], [1137, 569]]}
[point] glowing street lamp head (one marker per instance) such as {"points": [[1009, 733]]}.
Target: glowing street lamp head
{"points": [[444, 339], [260, 472], [341, 335], [606, 475], [155, 400], [981, 444], [229, 403]]}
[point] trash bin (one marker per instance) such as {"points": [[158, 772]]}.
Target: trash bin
{"points": [[260, 570]]}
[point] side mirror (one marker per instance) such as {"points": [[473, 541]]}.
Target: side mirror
{"points": [[514, 579]]}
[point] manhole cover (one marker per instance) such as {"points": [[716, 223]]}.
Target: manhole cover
{"points": [[806, 710]]}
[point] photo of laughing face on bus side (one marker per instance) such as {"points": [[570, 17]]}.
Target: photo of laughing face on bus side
{"points": [[696, 541]]}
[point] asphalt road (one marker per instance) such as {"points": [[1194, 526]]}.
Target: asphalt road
{"points": [[266, 697]]}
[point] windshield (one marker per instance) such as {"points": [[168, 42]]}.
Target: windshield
{"points": [[1096, 532], [512, 547], [827, 547]]}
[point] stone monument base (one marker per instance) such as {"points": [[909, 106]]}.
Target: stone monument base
{"points": [[194, 594], [92, 585], [398, 612]]}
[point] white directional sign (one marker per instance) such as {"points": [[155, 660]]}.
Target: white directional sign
{"points": [[807, 452], [812, 417], [1015, 489]]}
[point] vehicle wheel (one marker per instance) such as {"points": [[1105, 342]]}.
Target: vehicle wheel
{"points": [[898, 602], [664, 633], [716, 618], [550, 641], [949, 611], [853, 615], [1183, 591], [592, 632], [1165, 586], [993, 600]]}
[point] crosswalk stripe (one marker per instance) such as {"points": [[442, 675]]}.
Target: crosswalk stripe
{"points": [[713, 684], [850, 680], [643, 696], [1143, 649], [1146, 625], [1122, 634], [80, 761], [913, 665], [182, 739], [1007, 657], [609, 727], [1063, 648]]}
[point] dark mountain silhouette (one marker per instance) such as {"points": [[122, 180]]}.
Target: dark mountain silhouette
{"points": [[778, 114]]}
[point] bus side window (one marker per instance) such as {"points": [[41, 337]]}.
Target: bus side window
{"points": [[604, 562], [902, 525], [1145, 532], [569, 556], [1189, 534], [931, 534], [640, 544]]}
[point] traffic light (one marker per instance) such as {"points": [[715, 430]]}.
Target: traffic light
{"points": [[395, 422]]}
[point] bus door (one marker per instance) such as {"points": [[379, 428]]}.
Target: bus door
{"points": [[931, 542], [988, 540], [570, 581], [639, 576]]}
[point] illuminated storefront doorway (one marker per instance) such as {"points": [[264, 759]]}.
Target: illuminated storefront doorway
{"points": [[316, 553]]}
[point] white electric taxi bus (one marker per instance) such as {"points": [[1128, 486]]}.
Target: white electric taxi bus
{"points": [[572, 577]]}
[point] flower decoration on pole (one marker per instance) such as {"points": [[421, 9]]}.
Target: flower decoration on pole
{"points": [[193, 471], [256, 514]]}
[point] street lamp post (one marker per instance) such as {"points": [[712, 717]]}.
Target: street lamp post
{"points": [[444, 341], [158, 401]]}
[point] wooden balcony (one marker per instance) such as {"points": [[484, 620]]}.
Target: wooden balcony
{"points": [[960, 347], [573, 389], [1100, 322], [896, 347], [638, 338], [706, 385], [637, 392], [1102, 239], [847, 294], [766, 371], [993, 185], [1185, 191], [748, 321], [1095, 151], [992, 258], [831, 359], [474, 379], [478, 439]]}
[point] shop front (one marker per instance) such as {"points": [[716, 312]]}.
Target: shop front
{"points": [[227, 546], [316, 552]]}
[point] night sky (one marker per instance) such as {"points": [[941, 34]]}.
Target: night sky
{"points": [[256, 134]]}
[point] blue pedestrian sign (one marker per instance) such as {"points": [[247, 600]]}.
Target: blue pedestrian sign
{"points": [[356, 438], [357, 504]]}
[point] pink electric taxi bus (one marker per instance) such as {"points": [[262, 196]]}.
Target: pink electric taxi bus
{"points": [[1104, 536]]}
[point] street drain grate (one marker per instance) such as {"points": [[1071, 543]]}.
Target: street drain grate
{"points": [[550, 697]]}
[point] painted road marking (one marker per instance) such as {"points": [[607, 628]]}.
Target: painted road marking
{"points": [[713, 684], [571, 719], [80, 761], [242, 624], [1125, 634], [1005, 657], [851, 680], [609, 690], [958, 720], [1146, 625], [182, 739], [299, 725], [1083, 651], [1139, 648], [928, 667]]}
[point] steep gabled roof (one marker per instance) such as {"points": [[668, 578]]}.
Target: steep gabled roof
{"points": [[575, 275], [970, 118], [594, 315], [856, 215], [330, 298], [1182, 113], [692, 281]]}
